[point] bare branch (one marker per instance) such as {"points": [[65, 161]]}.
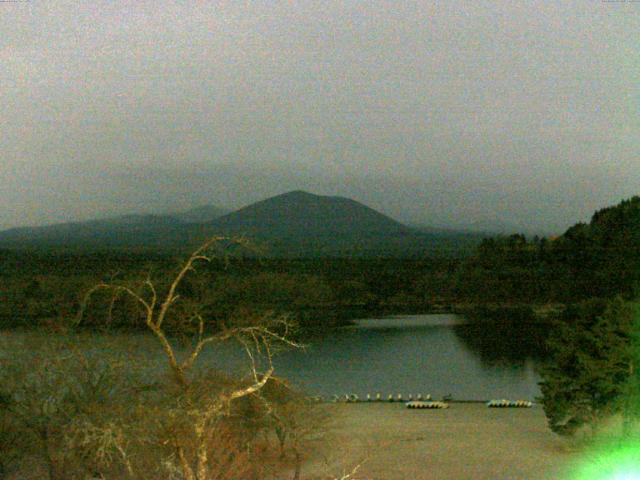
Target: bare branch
{"points": [[247, 349], [251, 388], [114, 298], [154, 294], [117, 289], [187, 471], [189, 361], [350, 475], [258, 340], [188, 266]]}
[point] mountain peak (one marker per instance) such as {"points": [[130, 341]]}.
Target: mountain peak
{"points": [[303, 214], [298, 195]]}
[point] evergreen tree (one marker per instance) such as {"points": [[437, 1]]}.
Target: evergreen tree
{"points": [[591, 368], [631, 396]]}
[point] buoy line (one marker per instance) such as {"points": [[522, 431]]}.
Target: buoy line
{"points": [[504, 403], [417, 401], [436, 405]]}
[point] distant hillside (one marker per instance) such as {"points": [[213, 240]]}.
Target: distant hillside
{"points": [[134, 230], [294, 224], [202, 214], [150, 231], [114, 232]]}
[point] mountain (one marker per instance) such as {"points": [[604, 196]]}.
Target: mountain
{"points": [[202, 214], [299, 223], [291, 224], [111, 232], [302, 214]]}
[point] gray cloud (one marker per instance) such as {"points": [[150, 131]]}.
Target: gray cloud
{"points": [[444, 113]]}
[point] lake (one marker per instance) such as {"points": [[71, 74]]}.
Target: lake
{"points": [[410, 354], [427, 354]]}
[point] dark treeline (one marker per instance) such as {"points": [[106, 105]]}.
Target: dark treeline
{"points": [[525, 289], [41, 287], [589, 370], [596, 260]]}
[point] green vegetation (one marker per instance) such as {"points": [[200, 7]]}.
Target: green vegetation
{"points": [[592, 373], [40, 288], [596, 260], [599, 260], [592, 275]]}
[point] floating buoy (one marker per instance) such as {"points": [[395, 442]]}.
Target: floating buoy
{"points": [[390, 397], [420, 398], [368, 397], [420, 404], [378, 397], [410, 398], [399, 398]]}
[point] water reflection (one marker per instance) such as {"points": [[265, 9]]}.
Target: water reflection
{"points": [[504, 343], [414, 354]]}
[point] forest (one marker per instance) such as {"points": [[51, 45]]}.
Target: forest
{"points": [[600, 259]]}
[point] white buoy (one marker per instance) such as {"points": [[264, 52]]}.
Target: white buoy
{"points": [[419, 397], [410, 398], [368, 397], [378, 397], [399, 397], [390, 398]]}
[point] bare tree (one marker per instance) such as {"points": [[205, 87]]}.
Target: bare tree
{"points": [[204, 410]]}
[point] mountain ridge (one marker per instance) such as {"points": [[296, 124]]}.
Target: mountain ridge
{"points": [[295, 223]]}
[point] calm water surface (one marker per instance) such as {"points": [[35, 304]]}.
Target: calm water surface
{"points": [[435, 354], [428, 354]]}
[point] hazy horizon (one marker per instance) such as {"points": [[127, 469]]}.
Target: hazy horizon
{"points": [[512, 115]]}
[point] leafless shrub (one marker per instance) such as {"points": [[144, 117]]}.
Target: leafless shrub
{"points": [[92, 410], [202, 403], [47, 389]]}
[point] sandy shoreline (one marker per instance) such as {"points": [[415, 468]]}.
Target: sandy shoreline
{"points": [[466, 441]]}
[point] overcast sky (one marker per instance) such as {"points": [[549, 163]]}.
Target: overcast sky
{"points": [[458, 112]]}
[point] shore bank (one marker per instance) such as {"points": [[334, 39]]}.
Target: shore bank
{"points": [[466, 441]]}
